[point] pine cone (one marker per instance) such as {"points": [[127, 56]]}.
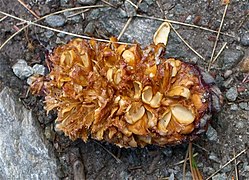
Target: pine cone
{"points": [[124, 95]]}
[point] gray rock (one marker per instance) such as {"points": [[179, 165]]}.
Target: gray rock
{"points": [[231, 58], [48, 34], [245, 39], [23, 153], [64, 2], [213, 157], [22, 70], [39, 69], [89, 28], [244, 106], [55, 20], [220, 176], [211, 134], [234, 107], [240, 125], [130, 10], [144, 7], [71, 17], [87, 2], [232, 94], [228, 73]]}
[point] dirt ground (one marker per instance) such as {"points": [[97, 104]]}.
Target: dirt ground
{"points": [[230, 133]]}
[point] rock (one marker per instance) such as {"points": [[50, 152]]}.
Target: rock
{"points": [[239, 125], [39, 69], [48, 34], [87, 2], [220, 176], [22, 70], [55, 20], [244, 39], [244, 65], [232, 94], [244, 106], [144, 7], [89, 28], [71, 17], [231, 58], [234, 107], [64, 2], [228, 73], [78, 170], [213, 157], [211, 134], [23, 152], [130, 10]]}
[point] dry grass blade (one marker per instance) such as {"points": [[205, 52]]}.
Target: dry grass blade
{"points": [[32, 12], [196, 174], [183, 24], [230, 161], [182, 161], [115, 157], [217, 37], [109, 4]]}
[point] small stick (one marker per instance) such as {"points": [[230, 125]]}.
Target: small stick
{"points": [[243, 151], [75, 14], [110, 4], [217, 37], [184, 24], [26, 6], [223, 47], [182, 161]]}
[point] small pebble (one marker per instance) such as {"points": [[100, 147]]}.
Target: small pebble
{"points": [[39, 69], [86, 2], [213, 157], [211, 134], [220, 176], [245, 39], [244, 65], [228, 73], [22, 70], [130, 10], [234, 107], [244, 106], [232, 94], [239, 125], [55, 20]]}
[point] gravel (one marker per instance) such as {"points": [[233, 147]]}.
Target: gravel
{"points": [[22, 70], [55, 20], [244, 40], [211, 134], [244, 106], [231, 58], [39, 69], [234, 107], [232, 94], [86, 2]]}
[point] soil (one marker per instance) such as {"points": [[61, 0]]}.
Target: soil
{"points": [[151, 162]]}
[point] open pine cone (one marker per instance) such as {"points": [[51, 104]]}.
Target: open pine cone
{"points": [[125, 95]]}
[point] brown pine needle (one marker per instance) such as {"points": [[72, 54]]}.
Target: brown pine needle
{"points": [[183, 24], [116, 158], [220, 51], [183, 40], [56, 30], [25, 5], [217, 37], [184, 165], [109, 4], [130, 18], [196, 174], [235, 166], [3, 18], [235, 157]]}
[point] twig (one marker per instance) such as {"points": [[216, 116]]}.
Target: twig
{"points": [[184, 166], [192, 49], [217, 37], [80, 12], [184, 24], [134, 5], [223, 47], [117, 159], [243, 151], [32, 12]]}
